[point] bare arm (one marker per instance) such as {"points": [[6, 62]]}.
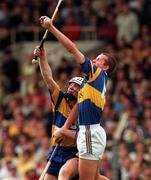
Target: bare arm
{"points": [[68, 133], [60, 133], [72, 117], [45, 68], [65, 41]]}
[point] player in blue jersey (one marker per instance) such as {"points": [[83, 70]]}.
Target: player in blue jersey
{"points": [[91, 140], [65, 158]]}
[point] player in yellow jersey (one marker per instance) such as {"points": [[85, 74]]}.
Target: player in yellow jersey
{"points": [[65, 156]]}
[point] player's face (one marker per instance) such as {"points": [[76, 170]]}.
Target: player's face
{"points": [[100, 60], [73, 89]]}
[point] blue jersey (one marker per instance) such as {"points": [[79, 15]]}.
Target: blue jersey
{"points": [[60, 115], [91, 97]]}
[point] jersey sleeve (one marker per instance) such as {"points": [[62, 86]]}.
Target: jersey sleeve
{"points": [[88, 67], [54, 96]]}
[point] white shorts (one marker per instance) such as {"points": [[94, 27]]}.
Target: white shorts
{"points": [[91, 142]]}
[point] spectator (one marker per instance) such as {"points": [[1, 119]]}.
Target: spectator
{"points": [[71, 27], [10, 67], [127, 24], [9, 172], [107, 30]]}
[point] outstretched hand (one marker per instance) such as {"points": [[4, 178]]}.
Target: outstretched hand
{"points": [[45, 22]]}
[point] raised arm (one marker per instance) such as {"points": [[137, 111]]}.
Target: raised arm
{"points": [[45, 68], [65, 41]]}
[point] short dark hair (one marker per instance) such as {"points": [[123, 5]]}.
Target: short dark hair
{"points": [[111, 62]]}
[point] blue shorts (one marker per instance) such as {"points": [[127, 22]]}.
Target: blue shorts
{"points": [[61, 155]]}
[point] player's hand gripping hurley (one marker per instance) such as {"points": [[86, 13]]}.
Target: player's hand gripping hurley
{"points": [[35, 60]]}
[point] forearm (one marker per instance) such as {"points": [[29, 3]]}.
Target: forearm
{"points": [[68, 44], [68, 133], [72, 117], [45, 68]]}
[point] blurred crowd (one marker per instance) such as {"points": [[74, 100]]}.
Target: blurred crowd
{"points": [[108, 18], [25, 104]]}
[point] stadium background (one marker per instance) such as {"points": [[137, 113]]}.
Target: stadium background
{"points": [[120, 27]]}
